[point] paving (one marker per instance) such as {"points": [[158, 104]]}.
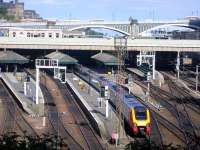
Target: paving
{"points": [[89, 97], [15, 82]]}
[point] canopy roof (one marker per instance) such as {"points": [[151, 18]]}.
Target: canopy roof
{"points": [[62, 58], [106, 59], [10, 57]]}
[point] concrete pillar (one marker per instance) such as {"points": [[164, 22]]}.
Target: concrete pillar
{"points": [[154, 64], [37, 85], [6, 68], [107, 108], [25, 88], [178, 64]]}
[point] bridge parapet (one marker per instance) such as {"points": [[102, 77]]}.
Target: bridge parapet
{"points": [[99, 44]]}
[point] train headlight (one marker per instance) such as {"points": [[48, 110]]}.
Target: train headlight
{"points": [[135, 128], [148, 129]]}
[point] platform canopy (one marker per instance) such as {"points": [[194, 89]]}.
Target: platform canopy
{"points": [[10, 57], [63, 59], [106, 59]]}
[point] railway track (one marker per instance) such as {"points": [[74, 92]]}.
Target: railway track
{"points": [[87, 131], [56, 123], [14, 117], [78, 121], [184, 118], [170, 126]]}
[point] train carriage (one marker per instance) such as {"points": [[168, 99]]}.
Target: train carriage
{"points": [[135, 113]]}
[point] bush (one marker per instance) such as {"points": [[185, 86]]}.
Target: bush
{"points": [[147, 145], [12, 141]]}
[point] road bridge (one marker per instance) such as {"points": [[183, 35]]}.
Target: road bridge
{"points": [[99, 44], [131, 27]]}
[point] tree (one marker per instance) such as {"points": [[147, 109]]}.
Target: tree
{"points": [[3, 12]]}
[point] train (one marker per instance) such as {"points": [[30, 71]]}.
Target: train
{"points": [[134, 112]]}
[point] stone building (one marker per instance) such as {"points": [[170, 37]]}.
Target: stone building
{"points": [[16, 9]]}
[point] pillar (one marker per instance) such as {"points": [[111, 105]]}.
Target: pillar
{"points": [[154, 64], [37, 85]]}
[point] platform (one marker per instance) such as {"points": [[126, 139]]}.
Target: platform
{"points": [[136, 71], [16, 84], [107, 126]]}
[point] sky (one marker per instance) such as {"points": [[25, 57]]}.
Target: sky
{"points": [[114, 9]]}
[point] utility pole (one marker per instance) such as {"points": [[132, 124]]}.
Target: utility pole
{"points": [[120, 44]]}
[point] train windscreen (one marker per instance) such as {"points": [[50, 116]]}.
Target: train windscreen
{"points": [[140, 113]]}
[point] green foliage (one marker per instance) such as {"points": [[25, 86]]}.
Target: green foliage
{"points": [[4, 14], [3, 11], [147, 145], [12, 141]]}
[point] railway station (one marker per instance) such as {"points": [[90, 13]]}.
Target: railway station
{"points": [[99, 84]]}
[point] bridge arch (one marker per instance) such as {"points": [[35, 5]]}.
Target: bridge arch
{"points": [[100, 26], [147, 33]]}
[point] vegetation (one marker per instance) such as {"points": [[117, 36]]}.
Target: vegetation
{"points": [[147, 145], [4, 14], [12, 141]]}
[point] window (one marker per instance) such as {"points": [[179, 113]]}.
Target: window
{"points": [[57, 35], [14, 34], [140, 113], [28, 34], [50, 35], [42, 35]]}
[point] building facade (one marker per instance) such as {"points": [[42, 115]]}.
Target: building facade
{"points": [[16, 9]]}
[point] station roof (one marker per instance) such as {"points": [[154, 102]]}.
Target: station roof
{"points": [[62, 58], [10, 57], [106, 59]]}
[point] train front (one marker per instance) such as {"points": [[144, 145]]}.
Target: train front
{"points": [[140, 120]]}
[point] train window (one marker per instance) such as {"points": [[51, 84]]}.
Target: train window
{"points": [[140, 113], [128, 96]]}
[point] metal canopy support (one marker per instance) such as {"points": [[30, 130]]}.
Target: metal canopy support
{"points": [[149, 58], [48, 64]]}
